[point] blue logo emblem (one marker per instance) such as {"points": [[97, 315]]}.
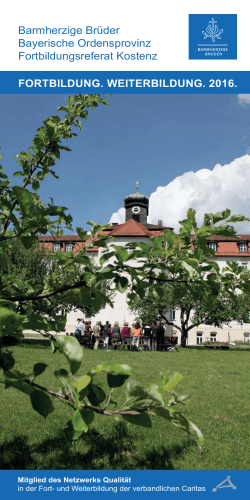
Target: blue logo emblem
{"points": [[212, 31], [213, 36]]}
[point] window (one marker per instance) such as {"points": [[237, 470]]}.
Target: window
{"points": [[199, 337], [68, 247], [172, 315], [56, 247], [244, 265], [213, 336], [243, 247], [247, 337], [213, 246]]}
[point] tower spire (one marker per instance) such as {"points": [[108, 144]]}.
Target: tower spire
{"points": [[136, 206]]}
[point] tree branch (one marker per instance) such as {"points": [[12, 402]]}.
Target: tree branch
{"points": [[3, 238], [103, 411], [170, 323], [26, 298], [33, 169]]}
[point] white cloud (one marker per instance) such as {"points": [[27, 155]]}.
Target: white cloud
{"points": [[206, 191], [244, 99], [118, 216]]}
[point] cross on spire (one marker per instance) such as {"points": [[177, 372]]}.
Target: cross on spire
{"points": [[137, 185]]}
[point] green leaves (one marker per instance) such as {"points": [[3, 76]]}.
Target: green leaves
{"points": [[62, 377], [106, 257], [82, 419], [73, 352], [81, 382], [182, 423], [41, 403], [96, 395], [121, 253], [116, 380], [25, 200], [237, 218], [172, 381], [112, 368], [121, 283], [10, 321], [117, 374], [136, 393], [82, 233], [141, 419]]}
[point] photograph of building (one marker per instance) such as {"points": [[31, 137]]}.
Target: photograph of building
{"points": [[136, 229]]}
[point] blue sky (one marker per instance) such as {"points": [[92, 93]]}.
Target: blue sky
{"points": [[149, 138]]}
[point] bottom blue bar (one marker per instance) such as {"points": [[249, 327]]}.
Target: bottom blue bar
{"points": [[124, 484]]}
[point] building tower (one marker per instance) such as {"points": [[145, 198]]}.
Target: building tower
{"points": [[136, 206]]}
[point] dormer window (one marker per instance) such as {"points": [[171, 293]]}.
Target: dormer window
{"points": [[243, 247], [57, 247], [213, 246], [68, 247]]}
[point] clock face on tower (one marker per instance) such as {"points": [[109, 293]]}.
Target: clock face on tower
{"points": [[136, 210]]}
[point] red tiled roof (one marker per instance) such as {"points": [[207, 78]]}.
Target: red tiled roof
{"points": [[48, 241], [150, 227], [228, 246], [230, 249], [154, 227], [243, 237], [69, 237], [215, 237], [156, 233], [130, 228]]}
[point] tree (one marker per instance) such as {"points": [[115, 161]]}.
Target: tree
{"points": [[24, 216], [31, 266], [193, 308]]}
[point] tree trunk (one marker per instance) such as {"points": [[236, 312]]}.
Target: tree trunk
{"points": [[184, 336], [184, 330]]}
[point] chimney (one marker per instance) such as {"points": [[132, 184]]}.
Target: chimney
{"points": [[160, 222]]}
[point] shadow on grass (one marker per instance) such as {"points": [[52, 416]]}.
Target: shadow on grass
{"points": [[34, 343], [242, 348], [92, 451]]}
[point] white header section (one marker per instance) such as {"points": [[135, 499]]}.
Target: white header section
{"points": [[138, 35]]}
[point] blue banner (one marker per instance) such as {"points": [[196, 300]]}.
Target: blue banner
{"points": [[125, 82], [123, 484]]}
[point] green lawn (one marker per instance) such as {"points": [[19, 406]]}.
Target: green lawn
{"points": [[218, 383]]}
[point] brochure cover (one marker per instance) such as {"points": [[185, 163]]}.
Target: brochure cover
{"points": [[125, 330]]}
